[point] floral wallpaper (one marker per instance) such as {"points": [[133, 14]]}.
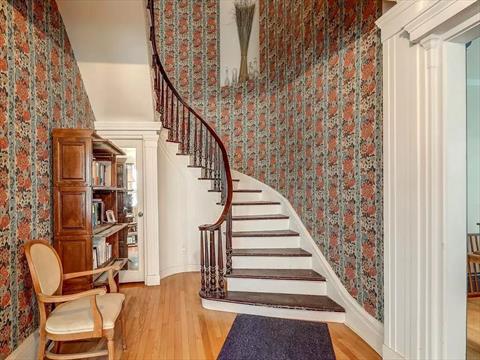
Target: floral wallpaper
{"points": [[310, 126], [40, 89]]}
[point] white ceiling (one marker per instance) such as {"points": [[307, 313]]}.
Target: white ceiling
{"points": [[109, 38]]}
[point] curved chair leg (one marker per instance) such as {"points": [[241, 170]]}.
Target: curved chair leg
{"points": [[124, 330], [42, 341], [111, 344]]}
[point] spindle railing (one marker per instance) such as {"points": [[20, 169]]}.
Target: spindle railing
{"points": [[207, 151]]}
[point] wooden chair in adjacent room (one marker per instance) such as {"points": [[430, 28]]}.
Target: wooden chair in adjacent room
{"points": [[84, 315], [473, 265]]}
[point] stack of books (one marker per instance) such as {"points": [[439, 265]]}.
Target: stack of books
{"points": [[102, 252], [101, 173]]}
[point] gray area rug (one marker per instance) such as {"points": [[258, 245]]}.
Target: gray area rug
{"points": [[258, 337]]}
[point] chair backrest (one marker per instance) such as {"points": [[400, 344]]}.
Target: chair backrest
{"points": [[45, 267], [473, 243]]}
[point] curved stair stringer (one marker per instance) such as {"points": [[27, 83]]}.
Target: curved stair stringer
{"points": [[355, 317]]}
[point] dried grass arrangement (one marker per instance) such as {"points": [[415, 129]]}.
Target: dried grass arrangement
{"points": [[244, 12]]}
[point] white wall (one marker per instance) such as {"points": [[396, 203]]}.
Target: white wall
{"points": [[229, 45], [184, 203], [110, 42], [473, 136]]}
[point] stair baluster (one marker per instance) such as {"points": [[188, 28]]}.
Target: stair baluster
{"points": [[228, 242], [197, 139], [221, 284]]}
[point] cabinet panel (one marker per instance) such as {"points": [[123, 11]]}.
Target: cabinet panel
{"points": [[73, 211], [72, 159], [76, 255]]}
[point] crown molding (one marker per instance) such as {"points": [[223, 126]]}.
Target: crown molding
{"points": [[420, 18], [127, 126]]}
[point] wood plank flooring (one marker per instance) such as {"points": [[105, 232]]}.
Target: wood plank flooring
{"points": [[473, 329], [168, 322]]}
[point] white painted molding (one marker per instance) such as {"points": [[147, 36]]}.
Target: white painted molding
{"points": [[27, 349], [150, 209], [418, 18], [172, 270], [356, 317], [424, 150], [120, 127], [389, 354]]}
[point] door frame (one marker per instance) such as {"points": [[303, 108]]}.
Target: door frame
{"points": [[148, 133], [425, 176], [136, 275]]}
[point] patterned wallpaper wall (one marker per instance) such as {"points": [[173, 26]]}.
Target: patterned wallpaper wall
{"points": [[40, 89], [310, 126]]}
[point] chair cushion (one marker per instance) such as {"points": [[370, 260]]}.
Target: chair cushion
{"points": [[76, 316]]}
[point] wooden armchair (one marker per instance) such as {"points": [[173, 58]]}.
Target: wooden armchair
{"points": [[473, 265], [84, 315]]}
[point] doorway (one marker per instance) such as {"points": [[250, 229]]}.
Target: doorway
{"points": [[133, 210], [473, 198]]}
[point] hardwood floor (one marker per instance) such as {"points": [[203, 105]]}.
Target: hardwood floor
{"points": [[473, 329], [168, 322]]}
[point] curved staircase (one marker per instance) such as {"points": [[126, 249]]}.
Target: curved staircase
{"points": [[251, 261]]}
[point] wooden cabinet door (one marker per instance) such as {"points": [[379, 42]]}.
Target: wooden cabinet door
{"points": [[76, 255], [73, 211], [72, 161]]}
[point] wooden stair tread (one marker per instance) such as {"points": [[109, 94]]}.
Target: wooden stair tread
{"points": [[277, 274], [240, 191], [209, 178], [264, 233], [287, 301], [261, 202], [287, 252], [260, 217]]}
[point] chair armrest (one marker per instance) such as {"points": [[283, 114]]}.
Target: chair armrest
{"points": [[111, 281], [92, 294], [89, 272], [64, 298]]}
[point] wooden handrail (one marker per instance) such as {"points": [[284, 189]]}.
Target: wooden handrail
{"points": [[208, 153], [228, 173]]}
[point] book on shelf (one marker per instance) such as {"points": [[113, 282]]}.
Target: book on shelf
{"points": [[98, 212], [101, 173], [102, 252]]}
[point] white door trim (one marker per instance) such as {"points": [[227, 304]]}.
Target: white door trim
{"points": [[425, 176], [148, 133]]}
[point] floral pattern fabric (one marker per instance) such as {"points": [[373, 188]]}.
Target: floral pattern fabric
{"points": [[40, 89], [310, 126]]}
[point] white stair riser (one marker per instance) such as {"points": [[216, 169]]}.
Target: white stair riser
{"points": [[247, 196], [271, 262], [261, 225], [256, 209], [236, 185], [307, 315], [274, 242], [277, 286]]}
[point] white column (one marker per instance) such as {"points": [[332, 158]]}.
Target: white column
{"points": [[150, 182], [425, 177]]}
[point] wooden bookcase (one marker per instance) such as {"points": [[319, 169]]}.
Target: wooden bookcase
{"points": [[76, 155]]}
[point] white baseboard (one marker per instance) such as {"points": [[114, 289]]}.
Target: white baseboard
{"points": [[172, 270], [152, 280], [390, 354], [27, 350]]}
